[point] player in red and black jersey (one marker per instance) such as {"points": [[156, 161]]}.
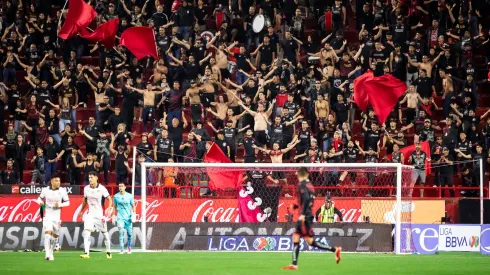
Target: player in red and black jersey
{"points": [[306, 198]]}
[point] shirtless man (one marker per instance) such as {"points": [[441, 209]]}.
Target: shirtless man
{"points": [[321, 108], [425, 64], [412, 98], [193, 94], [276, 157], [232, 99], [221, 111], [327, 52], [148, 102], [208, 88], [260, 121], [221, 58]]}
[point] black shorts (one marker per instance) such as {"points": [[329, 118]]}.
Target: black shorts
{"points": [[261, 138], [304, 228], [196, 112], [225, 73]]}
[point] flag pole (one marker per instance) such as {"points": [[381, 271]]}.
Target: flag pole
{"points": [[59, 23], [155, 40]]}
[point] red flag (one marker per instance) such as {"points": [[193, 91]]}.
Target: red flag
{"points": [[406, 151], [219, 177], [140, 41], [383, 93], [79, 15], [104, 34], [360, 95]]}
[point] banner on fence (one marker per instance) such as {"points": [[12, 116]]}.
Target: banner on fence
{"points": [[370, 237], [264, 243], [431, 238], [25, 209]]}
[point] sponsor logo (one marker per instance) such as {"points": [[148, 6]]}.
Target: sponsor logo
{"points": [[15, 189], [20, 236], [36, 189], [265, 243], [485, 239], [21, 209], [459, 237], [430, 238]]}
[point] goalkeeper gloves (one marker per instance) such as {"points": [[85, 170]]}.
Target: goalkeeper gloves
{"points": [[133, 218], [114, 220]]}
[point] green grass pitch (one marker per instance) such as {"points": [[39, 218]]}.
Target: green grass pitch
{"points": [[246, 263]]}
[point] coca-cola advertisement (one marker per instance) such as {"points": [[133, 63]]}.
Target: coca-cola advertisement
{"points": [[25, 209]]}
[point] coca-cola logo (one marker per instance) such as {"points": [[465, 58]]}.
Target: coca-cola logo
{"points": [[215, 214], [26, 210]]}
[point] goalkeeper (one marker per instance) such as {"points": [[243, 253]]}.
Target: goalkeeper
{"points": [[125, 215], [305, 220]]}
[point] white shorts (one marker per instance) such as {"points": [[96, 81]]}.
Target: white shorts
{"points": [[95, 223], [52, 225]]}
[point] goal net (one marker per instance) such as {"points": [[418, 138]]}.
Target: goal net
{"points": [[199, 198]]}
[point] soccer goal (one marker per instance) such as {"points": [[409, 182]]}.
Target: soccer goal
{"points": [[377, 196]]}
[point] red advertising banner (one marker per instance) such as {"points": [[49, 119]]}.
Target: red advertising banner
{"points": [[25, 209]]}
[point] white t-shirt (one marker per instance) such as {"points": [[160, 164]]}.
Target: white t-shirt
{"points": [[94, 199], [51, 197]]}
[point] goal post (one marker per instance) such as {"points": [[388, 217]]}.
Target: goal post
{"points": [[380, 187]]}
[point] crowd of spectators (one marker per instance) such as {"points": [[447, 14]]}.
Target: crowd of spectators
{"points": [[74, 107]]}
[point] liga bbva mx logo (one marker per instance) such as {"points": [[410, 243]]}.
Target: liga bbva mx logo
{"points": [[474, 241], [265, 244]]}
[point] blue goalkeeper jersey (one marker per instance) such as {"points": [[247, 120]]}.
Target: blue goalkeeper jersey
{"points": [[124, 205]]}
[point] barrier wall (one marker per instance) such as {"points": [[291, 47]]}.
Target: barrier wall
{"points": [[25, 209], [359, 237]]}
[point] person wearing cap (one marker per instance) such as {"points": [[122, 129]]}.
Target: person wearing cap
{"points": [[418, 158], [326, 213], [445, 165]]}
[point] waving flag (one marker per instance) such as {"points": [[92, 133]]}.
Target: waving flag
{"points": [[383, 93], [140, 41], [104, 34], [221, 178], [360, 94], [79, 15]]}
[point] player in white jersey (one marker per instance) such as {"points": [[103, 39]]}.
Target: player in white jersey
{"points": [[95, 220], [52, 199]]}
